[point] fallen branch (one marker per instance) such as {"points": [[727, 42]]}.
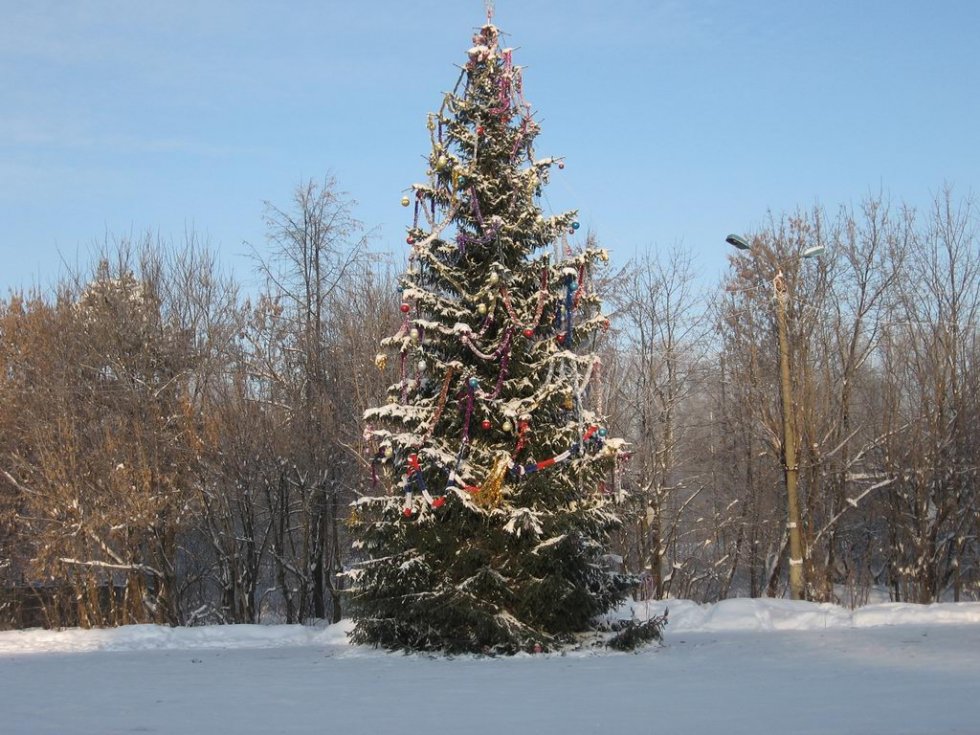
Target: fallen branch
{"points": [[107, 565]]}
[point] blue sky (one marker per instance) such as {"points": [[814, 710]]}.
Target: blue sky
{"points": [[679, 121]]}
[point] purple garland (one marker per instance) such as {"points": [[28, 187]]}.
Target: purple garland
{"points": [[504, 362], [469, 413]]}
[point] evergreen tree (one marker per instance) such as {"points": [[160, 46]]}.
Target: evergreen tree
{"points": [[498, 474]]}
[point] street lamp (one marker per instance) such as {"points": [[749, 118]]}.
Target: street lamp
{"points": [[791, 468]]}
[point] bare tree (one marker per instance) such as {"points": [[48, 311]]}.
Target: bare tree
{"points": [[929, 370], [662, 334], [314, 276]]}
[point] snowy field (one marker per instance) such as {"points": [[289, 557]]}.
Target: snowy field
{"points": [[738, 667]]}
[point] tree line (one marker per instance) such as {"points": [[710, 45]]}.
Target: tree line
{"points": [[175, 450], [882, 335]]}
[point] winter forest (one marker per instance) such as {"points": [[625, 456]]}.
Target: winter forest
{"points": [[178, 448]]}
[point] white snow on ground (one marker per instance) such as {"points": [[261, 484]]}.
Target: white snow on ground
{"points": [[737, 667]]}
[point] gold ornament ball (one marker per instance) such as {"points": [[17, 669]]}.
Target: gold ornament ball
{"points": [[406, 201], [414, 333], [481, 309], [507, 426]]}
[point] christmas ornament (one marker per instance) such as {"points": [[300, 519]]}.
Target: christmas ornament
{"points": [[389, 452], [441, 163], [485, 424], [528, 333], [490, 491], [410, 240], [414, 333], [507, 426], [575, 225], [561, 164], [474, 383], [480, 130], [439, 502], [422, 366], [406, 201], [481, 309], [405, 308]]}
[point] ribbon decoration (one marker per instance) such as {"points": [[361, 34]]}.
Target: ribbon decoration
{"points": [[441, 403], [489, 494], [538, 310], [470, 391], [504, 346], [521, 437]]}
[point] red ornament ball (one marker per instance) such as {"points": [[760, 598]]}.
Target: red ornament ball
{"points": [[438, 502], [410, 240], [528, 333], [561, 339], [407, 512], [480, 130], [485, 424], [404, 308]]}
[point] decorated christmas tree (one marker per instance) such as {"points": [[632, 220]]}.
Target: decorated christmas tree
{"points": [[493, 474]]}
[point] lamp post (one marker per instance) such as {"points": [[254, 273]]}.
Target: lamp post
{"points": [[791, 469]]}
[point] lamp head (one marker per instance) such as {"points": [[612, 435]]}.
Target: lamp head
{"points": [[738, 242]]}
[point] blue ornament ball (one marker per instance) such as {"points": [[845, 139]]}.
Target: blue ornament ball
{"points": [[474, 383], [603, 432], [575, 225]]}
